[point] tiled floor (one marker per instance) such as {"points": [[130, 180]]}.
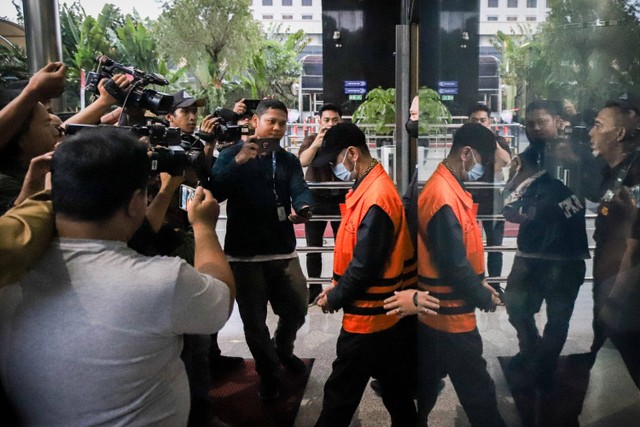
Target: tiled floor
{"points": [[611, 400]]}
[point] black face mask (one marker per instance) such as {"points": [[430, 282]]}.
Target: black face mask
{"points": [[412, 128]]}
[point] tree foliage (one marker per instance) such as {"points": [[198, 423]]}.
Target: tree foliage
{"points": [[214, 38], [274, 67], [587, 51]]}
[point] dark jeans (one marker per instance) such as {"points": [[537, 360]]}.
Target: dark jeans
{"points": [[314, 231], [459, 356], [628, 344], [282, 284], [381, 355], [494, 230], [530, 282], [195, 356]]}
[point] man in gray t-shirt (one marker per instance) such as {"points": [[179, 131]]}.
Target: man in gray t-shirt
{"points": [[93, 333]]}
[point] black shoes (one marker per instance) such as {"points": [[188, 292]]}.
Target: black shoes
{"points": [[293, 363], [268, 388], [221, 365], [376, 386]]}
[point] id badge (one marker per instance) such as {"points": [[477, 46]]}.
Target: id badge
{"points": [[282, 215]]}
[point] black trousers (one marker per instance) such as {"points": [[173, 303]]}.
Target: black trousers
{"points": [[314, 230], [494, 230], [381, 355], [459, 356], [530, 282]]}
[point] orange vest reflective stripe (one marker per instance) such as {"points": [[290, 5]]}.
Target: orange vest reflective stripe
{"points": [[366, 314], [455, 314]]}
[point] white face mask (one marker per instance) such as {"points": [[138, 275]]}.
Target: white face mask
{"points": [[476, 171], [341, 172]]}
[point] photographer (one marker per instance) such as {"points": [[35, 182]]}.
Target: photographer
{"points": [[25, 158], [119, 315], [262, 186], [184, 115]]}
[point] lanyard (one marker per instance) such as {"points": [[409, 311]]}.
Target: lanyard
{"points": [[273, 163]]}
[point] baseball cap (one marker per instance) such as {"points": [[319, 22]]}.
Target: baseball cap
{"points": [[478, 137], [336, 139], [181, 99]]}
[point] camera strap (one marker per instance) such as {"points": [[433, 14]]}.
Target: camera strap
{"points": [[282, 215], [617, 183]]}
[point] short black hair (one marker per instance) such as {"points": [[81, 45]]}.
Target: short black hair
{"points": [[480, 107], [628, 118], [96, 171], [266, 104], [329, 107], [551, 107]]}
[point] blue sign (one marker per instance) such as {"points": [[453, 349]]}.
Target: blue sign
{"points": [[355, 83], [453, 83], [355, 91], [448, 91]]}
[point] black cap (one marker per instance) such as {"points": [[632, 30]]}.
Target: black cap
{"points": [[181, 99], [478, 137], [336, 139]]}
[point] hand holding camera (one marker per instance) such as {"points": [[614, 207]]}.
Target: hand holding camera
{"points": [[48, 82]]}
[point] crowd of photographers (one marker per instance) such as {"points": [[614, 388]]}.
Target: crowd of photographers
{"points": [[124, 284]]}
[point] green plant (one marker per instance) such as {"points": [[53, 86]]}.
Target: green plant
{"points": [[378, 109], [432, 111]]}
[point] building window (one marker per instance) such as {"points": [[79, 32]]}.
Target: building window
{"points": [[307, 2], [287, 2], [532, 18], [493, 3], [512, 18], [532, 3], [267, 2], [512, 3], [307, 17], [492, 18], [267, 17], [287, 17]]}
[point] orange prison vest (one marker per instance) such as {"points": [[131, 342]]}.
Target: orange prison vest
{"points": [[455, 314], [366, 314]]}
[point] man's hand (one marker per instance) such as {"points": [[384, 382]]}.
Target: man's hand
{"points": [[303, 215], [240, 107], [203, 209], [495, 297], [48, 82], [411, 301], [323, 302], [36, 177], [209, 123], [248, 151], [105, 97]]}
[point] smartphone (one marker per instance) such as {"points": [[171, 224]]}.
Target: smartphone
{"points": [[251, 104], [266, 145], [186, 194]]}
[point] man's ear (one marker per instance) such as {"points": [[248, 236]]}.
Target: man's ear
{"points": [[355, 153], [621, 134], [254, 121], [137, 205]]}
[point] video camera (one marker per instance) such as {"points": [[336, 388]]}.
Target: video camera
{"points": [[167, 155], [136, 96], [227, 130]]}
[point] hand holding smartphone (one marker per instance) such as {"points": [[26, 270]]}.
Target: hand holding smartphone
{"points": [[186, 194]]}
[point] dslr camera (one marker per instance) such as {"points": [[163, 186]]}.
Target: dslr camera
{"points": [[136, 96], [227, 130], [167, 155]]}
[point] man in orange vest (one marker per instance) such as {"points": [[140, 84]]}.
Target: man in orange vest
{"points": [[373, 258], [451, 268]]}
